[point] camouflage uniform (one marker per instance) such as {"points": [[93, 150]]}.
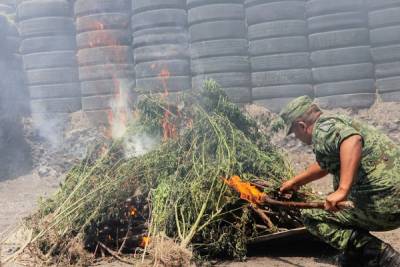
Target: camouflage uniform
{"points": [[376, 192]]}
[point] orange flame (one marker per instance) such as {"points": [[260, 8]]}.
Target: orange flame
{"points": [[164, 75], [133, 212], [145, 241], [247, 191], [98, 25], [118, 113], [169, 129]]}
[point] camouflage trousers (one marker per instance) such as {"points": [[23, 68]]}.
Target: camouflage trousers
{"points": [[337, 228]]}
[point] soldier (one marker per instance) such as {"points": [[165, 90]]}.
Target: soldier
{"points": [[365, 164]]}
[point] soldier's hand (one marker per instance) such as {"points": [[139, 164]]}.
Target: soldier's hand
{"points": [[332, 200], [288, 186]]}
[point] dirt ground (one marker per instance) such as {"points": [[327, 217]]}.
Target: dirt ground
{"points": [[19, 196]]}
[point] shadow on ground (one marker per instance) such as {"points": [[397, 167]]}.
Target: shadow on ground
{"points": [[302, 250]]}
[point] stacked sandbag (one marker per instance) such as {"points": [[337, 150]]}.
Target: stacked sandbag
{"points": [[160, 43], [384, 23], [105, 58], [218, 40], [343, 71], [278, 47], [48, 50]]}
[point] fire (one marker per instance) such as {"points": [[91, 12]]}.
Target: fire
{"points": [[247, 191], [169, 129], [98, 25], [118, 113], [164, 76], [145, 241], [133, 212]]}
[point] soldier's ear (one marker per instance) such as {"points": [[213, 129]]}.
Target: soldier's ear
{"points": [[302, 125]]}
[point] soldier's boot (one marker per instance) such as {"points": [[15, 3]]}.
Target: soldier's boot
{"points": [[377, 253], [349, 259], [374, 253]]}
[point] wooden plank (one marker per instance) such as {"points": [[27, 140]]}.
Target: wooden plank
{"points": [[279, 235]]}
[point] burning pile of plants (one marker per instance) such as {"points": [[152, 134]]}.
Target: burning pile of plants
{"points": [[120, 199]]}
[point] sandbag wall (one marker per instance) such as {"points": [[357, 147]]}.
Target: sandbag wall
{"points": [[219, 51], [106, 69], [48, 50], [161, 47], [342, 68], [278, 49], [384, 24]]}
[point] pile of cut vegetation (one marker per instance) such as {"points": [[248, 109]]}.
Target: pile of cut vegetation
{"points": [[164, 180]]}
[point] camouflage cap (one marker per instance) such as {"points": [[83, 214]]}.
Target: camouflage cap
{"points": [[293, 110]]}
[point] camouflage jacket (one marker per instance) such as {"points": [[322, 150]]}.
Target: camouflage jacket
{"points": [[377, 187]]}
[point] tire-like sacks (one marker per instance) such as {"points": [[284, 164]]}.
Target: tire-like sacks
{"points": [[104, 56], [99, 38], [279, 52], [215, 48], [161, 46], [341, 61], [384, 23], [44, 8], [219, 50], [51, 75], [89, 7], [47, 44], [178, 67], [157, 38], [46, 26], [48, 53], [105, 21], [145, 5], [52, 59]]}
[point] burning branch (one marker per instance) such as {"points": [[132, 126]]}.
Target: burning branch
{"points": [[253, 195]]}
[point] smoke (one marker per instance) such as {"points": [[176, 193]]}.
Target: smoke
{"points": [[140, 144], [121, 112], [123, 121]]}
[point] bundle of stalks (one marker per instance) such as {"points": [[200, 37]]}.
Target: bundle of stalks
{"points": [[114, 202]]}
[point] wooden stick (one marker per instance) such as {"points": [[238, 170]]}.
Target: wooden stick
{"points": [[304, 205], [259, 186], [123, 242], [112, 253], [263, 216]]}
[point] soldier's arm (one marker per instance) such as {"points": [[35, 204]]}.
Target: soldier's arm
{"points": [[312, 173], [350, 158]]}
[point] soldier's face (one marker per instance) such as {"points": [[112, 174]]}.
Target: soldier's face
{"points": [[302, 132]]}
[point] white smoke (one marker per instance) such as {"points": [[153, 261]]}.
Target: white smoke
{"points": [[122, 117], [139, 144]]}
